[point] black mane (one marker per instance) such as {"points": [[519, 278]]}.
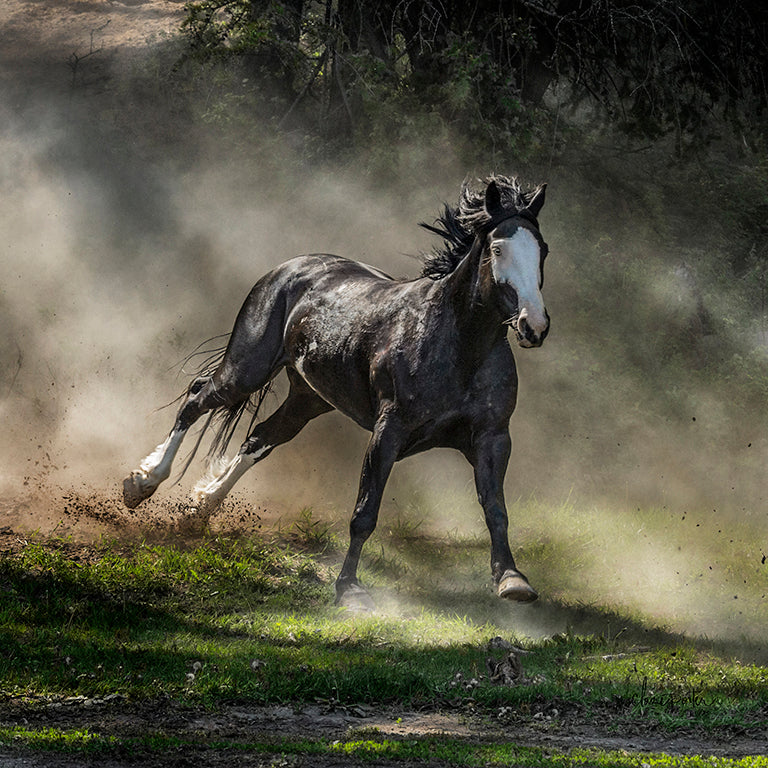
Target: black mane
{"points": [[459, 226]]}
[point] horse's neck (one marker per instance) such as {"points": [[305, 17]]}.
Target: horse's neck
{"points": [[469, 289]]}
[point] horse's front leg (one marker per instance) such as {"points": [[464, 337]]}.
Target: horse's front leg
{"points": [[380, 457], [489, 459]]}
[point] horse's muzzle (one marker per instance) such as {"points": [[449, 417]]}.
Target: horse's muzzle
{"points": [[530, 335]]}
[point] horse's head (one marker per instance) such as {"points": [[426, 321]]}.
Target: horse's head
{"points": [[516, 253]]}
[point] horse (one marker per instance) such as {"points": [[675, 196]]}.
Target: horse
{"points": [[419, 363]]}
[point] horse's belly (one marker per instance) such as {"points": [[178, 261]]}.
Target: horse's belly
{"points": [[335, 369], [344, 389]]}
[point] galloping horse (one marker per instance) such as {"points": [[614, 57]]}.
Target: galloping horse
{"points": [[419, 363]]}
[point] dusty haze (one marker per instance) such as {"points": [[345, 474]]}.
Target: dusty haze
{"points": [[128, 239]]}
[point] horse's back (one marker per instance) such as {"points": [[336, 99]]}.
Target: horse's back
{"points": [[326, 268]]}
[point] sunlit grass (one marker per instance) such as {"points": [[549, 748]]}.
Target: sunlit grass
{"points": [[235, 620]]}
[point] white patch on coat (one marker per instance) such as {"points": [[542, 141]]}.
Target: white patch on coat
{"points": [[211, 489], [157, 466]]}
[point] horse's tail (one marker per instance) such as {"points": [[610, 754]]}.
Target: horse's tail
{"points": [[225, 419]]}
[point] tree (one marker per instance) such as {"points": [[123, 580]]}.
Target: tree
{"points": [[653, 66]]}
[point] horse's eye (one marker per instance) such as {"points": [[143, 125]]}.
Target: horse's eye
{"points": [[496, 250]]}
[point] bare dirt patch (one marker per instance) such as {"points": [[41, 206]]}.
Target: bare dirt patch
{"points": [[240, 725], [55, 45], [77, 518]]}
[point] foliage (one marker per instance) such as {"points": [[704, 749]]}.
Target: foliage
{"points": [[661, 67], [311, 534], [655, 67]]}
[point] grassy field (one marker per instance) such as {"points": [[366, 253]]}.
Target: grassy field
{"points": [[228, 621]]}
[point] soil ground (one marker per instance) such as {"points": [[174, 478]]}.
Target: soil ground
{"points": [[49, 47], [269, 724]]}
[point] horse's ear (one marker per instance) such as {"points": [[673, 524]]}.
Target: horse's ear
{"points": [[537, 201], [492, 199]]}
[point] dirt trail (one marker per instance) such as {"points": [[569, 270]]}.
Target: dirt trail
{"points": [[240, 724]]}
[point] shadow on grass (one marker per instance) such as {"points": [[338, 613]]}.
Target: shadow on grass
{"points": [[74, 629], [549, 617]]}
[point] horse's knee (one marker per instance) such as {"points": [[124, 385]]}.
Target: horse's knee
{"points": [[363, 524], [189, 413], [202, 396]]}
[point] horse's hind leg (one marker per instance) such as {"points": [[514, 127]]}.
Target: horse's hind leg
{"points": [[301, 406], [201, 397], [252, 357]]}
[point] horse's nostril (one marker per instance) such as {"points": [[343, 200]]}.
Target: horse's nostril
{"points": [[525, 330]]}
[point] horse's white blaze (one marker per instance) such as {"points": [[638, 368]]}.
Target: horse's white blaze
{"points": [[516, 261], [211, 491], [157, 466]]}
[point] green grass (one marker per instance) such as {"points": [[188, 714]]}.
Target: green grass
{"points": [[234, 620], [455, 752]]}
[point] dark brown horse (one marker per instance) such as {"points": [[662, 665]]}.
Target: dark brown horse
{"points": [[420, 363]]}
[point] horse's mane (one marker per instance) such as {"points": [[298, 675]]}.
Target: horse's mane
{"points": [[459, 226]]}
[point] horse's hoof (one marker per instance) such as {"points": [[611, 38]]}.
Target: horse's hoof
{"points": [[514, 586], [355, 598], [136, 488]]}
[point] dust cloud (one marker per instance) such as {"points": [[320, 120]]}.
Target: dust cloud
{"points": [[132, 234], [114, 273], [123, 252]]}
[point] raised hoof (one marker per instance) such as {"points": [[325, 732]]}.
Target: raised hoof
{"points": [[136, 488], [355, 598], [514, 586]]}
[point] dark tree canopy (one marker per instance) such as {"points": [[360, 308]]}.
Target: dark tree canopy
{"points": [[653, 66]]}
